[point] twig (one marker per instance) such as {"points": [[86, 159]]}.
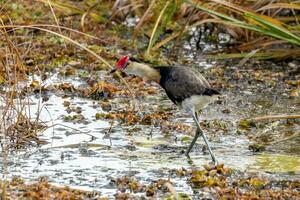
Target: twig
{"points": [[75, 129], [107, 134], [71, 146], [274, 117], [142, 20], [56, 20], [111, 125], [297, 134]]}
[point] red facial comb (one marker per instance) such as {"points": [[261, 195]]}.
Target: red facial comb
{"points": [[121, 63]]}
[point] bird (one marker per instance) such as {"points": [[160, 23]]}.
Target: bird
{"points": [[185, 87]]}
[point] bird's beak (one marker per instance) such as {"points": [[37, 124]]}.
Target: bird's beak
{"points": [[113, 70]]}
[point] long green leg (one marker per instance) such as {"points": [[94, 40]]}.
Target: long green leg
{"points": [[198, 133]]}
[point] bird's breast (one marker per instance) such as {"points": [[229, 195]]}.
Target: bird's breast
{"points": [[197, 102]]}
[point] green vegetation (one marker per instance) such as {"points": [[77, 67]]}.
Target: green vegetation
{"points": [[54, 62], [270, 27]]}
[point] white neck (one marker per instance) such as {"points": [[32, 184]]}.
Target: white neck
{"points": [[142, 70]]}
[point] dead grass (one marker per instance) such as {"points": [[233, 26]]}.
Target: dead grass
{"points": [[245, 21], [18, 189], [261, 26]]}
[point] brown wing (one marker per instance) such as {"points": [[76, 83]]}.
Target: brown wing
{"points": [[182, 82]]}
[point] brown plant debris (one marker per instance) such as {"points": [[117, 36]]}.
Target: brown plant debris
{"points": [[17, 189]]}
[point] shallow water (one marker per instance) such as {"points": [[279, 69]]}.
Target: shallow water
{"points": [[82, 154]]}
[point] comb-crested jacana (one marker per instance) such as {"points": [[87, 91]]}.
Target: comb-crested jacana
{"points": [[184, 86]]}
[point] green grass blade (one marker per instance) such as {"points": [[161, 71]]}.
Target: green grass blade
{"points": [[265, 27], [276, 29], [215, 13], [155, 29], [280, 54]]}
